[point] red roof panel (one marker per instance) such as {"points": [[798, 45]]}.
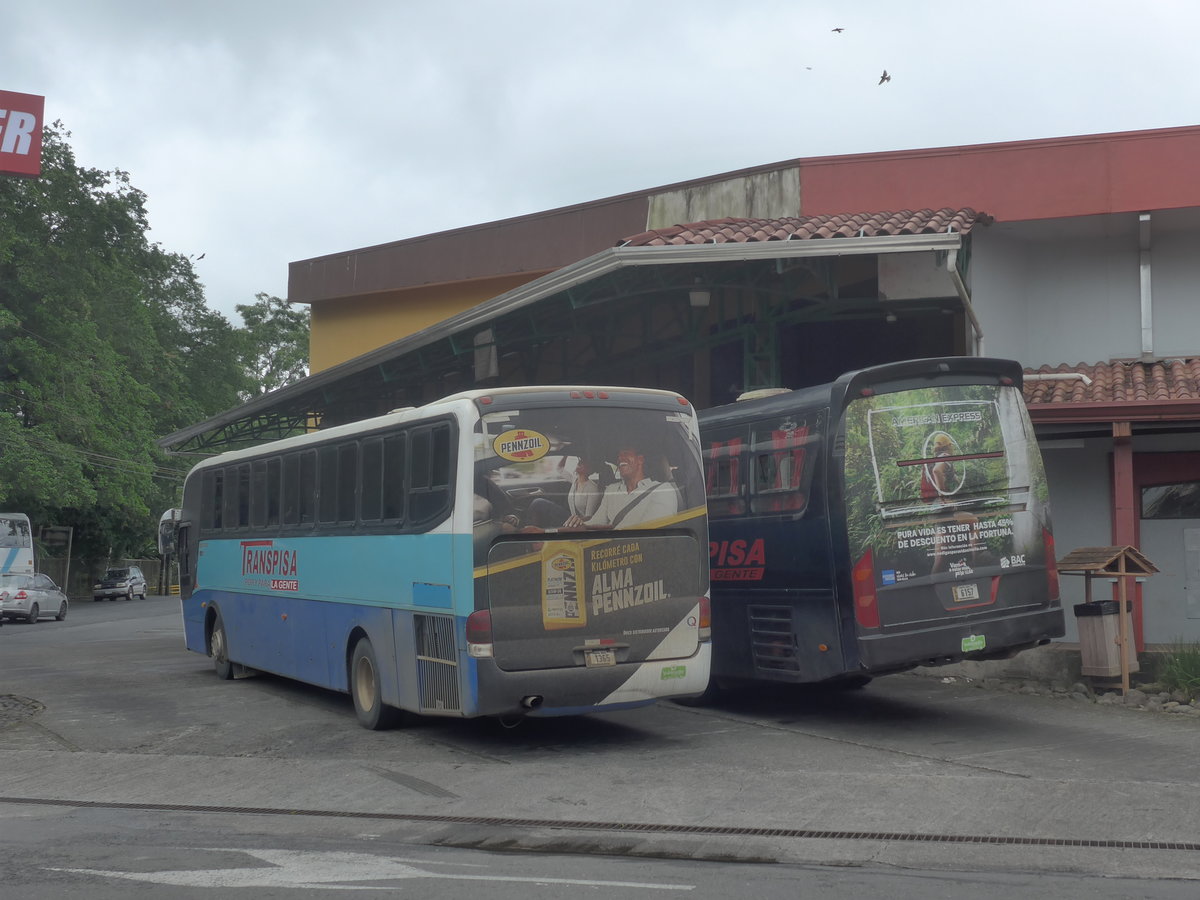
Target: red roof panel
{"points": [[720, 231]]}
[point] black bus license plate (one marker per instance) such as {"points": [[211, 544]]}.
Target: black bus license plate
{"points": [[963, 592]]}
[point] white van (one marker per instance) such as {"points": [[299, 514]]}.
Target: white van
{"points": [[16, 544]]}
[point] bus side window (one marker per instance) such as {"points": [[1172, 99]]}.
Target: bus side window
{"points": [[394, 485], [327, 485], [210, 498], [290, 514], [243, 495], [430, 463], [347, 482], [258, 493], [229, 498], [371, 501], [308, 487], [273, 476], [722, 478], [780, 476]]}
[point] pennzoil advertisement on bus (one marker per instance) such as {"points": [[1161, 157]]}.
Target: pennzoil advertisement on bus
{"points": [[944, 482], [554, 490]]}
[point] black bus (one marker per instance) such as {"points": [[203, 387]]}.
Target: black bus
{"points": [[894, 518]]}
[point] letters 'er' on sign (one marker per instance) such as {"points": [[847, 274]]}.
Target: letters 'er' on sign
{"points": [[21, 133]]}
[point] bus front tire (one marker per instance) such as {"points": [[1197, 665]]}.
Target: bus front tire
{"points": [[218, 649], [365, 689]]}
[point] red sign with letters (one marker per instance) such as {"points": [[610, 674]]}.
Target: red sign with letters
{"points": [[21, 133]]}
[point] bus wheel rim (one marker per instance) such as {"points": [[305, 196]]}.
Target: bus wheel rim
{"points": [[364, 684]]}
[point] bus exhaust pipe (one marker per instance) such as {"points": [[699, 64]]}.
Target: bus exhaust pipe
{"points": [[533, 701]]}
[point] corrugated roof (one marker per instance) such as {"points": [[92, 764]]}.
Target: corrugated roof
{"points": [[1117, 382], [721, 231]]}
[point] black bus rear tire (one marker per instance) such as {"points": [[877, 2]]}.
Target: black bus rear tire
{"points": [[365, 689], [849, 682]]}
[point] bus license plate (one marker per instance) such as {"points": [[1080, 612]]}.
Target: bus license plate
{"points": [[965, 592], [594, 658]]}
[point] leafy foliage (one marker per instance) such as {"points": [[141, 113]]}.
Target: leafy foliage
{"points": [[105, 345], [276, 343], [1180, 668]]}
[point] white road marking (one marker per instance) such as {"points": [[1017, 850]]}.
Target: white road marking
{"points": [[329, 870]]}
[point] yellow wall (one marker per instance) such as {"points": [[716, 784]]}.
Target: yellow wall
{"points": [[351, 326]]}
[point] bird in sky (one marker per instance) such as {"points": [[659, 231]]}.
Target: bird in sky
{"points": [[884, 77], [838, 30]]}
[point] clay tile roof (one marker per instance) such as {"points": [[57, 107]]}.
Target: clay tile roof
{"points": [[720, 231], [1115, 382]]}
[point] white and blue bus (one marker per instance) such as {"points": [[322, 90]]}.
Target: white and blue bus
{"points": [[16, 544], [521, 551]]}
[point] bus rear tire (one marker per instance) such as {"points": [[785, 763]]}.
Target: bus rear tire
{"points": [[373, 714], [218, 649], [849, 682]]}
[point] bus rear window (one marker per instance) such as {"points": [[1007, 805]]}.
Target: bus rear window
{"points": [[723, 486], [764, 469], [782, 468]]}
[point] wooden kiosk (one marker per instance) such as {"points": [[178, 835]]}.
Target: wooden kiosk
{"points": [[1106, 646]]}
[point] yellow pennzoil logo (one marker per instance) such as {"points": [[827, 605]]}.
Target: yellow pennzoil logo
{"points": [[521, 445], [562, 563]]}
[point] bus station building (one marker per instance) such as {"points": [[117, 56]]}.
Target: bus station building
{"points": [[1075, 256]]}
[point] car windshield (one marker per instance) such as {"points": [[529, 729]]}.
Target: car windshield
{"points": [[117, 573], [10, 582]]}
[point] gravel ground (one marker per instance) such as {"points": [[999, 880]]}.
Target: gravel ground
{"points": [[1148, 696]]}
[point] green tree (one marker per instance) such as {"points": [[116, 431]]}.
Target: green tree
{"points": [[105, 344], [275, 343]]}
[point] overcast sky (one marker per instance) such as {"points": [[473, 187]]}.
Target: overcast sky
{"points": [[267, 132]]}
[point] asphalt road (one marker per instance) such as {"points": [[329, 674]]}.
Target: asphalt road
{"points": [[123, 754]]}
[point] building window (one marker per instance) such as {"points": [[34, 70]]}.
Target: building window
{"points": [[1172, 501]]}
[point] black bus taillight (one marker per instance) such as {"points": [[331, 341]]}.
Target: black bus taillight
{"points": [[866, 604]]}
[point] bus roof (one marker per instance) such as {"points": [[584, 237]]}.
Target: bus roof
{"points": [[443, 406], [967, 367]]}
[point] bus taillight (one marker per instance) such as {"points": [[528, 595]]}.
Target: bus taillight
{"points": [[479, 634], [866, 606], [1051, 564], [705, 619]]}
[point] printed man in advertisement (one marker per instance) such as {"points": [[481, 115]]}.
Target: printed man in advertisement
{"points": [[632, 501]]}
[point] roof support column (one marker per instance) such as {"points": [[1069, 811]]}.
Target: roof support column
{"points": [[1144, 281], [761, 349], [1125, 511]]}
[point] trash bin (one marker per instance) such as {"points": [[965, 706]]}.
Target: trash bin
{"points": [[1099, 631]]}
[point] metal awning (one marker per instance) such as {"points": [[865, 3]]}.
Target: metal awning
{"points": [[570, 313]]}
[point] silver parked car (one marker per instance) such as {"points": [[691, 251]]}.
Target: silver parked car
{"points": [[120, 581], [30, 597]]}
